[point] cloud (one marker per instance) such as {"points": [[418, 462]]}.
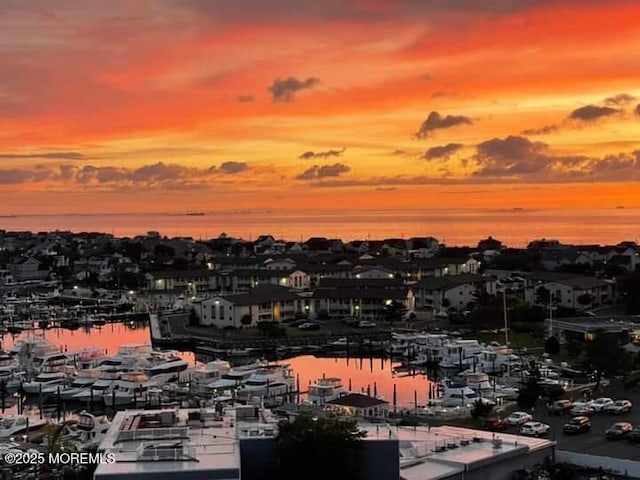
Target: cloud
{"points": [[385, 189], [156, 175], [592, 113], [510, 156], [310, 155], [435, 121], [637, 109], [546, 130], [325, 171], [245, 98], [285, 89], [619, 100], [442, 151], [45, 155], [232, 167]]}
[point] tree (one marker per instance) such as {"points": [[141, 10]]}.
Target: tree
{"points": [[543, 295], [246, 320], [531, 391], [331, 446], [629, 287], [605, 356], [394, 311], [552, 346], [585, 299], [446, 302], [573, 348], [481, 409], [193, 317]]}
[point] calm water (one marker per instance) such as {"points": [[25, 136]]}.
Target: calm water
{"points": [[454, 227], [372, 374]]}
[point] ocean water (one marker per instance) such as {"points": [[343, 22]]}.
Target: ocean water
{"points": [[514, 227]]}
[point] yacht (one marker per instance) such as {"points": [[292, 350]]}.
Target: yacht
{"points": [[324, 390], [88, 432], [271, 381], [235, 377], [129, 389], [478, 381], [45, 383], [19, 424], [207, 373], [96, 390], [458, 395], [77, 385], [167, 370]]}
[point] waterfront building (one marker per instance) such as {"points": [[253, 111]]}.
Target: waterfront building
{"points": [[451, 291]]}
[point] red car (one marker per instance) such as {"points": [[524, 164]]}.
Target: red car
{"points": [[495, 424]]}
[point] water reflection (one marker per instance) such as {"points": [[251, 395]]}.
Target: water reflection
{"points": [[373, 375]]}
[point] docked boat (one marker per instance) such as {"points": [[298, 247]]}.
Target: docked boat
{"points": [[325, 390], [129, 389], [13, 425], [235, 377], [478, 381], [167, 370], [203, 375], [88, 432], [45, 383], [268, 382], [460, 395], [77, 385]]}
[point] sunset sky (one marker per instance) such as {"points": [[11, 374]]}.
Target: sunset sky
{"points": [[173, 105]]}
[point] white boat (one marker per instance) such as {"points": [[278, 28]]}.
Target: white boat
{"points": [[324, 390], [97, 390], [44, 383], [19, 424], [456, 395], [88, 432], [478, 381], [167, 370], [207, 373], [235, 377], [129, 390], [77, 385], [268, 382]]}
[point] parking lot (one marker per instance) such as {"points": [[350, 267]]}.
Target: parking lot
{"points": [[594, 442]]}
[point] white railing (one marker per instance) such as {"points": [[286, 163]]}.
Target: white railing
{"points": [[153, 434]]}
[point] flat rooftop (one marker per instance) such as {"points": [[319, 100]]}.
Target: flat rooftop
{"points": [[610, 323], [439, 452], [185, 443]]}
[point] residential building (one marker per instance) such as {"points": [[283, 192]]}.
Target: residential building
{"points": [[440, 294], [567, 290], [260, 304], [367, 299]]}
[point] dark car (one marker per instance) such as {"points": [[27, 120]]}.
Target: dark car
{"points": [[577, 425], [634, 435], [618, 430], [495, 424]]}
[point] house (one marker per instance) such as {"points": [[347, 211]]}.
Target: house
{"points": [[266, 303], [193, 281], [25, 269], [372, 272], [359, 405], [451, 291], [567, 290], [489, 243]]}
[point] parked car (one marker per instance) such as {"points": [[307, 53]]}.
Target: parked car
{"points": [[309, 326], [534, 429], [518, 418], [352, 322], [366, 324], [618, 430], [618, 407], [581, 410], [560, 406], [599, 403], [634, 435], [495, 424], [577, 425]]}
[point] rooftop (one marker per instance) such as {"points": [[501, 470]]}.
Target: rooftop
{"points": [[430, 454], [192, 443], [357, 400]]}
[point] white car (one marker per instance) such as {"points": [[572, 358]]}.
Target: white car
{"points": [[534, 429], [619, 406], [518, 418], [366, 324], [599, 404]]}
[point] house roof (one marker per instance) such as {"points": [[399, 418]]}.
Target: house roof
{"points": [[359, 283], [262, 294], [184, 274], [447, 282], [584, 283], [357, 400], [373, 293]]}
